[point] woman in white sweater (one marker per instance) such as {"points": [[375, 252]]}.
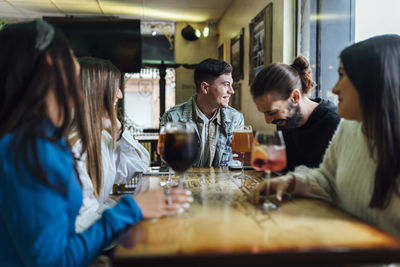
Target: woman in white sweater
{"points": [[112, 155], [360, 171]]}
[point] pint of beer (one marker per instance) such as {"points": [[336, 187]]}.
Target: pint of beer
{"points": [[242, 140]]}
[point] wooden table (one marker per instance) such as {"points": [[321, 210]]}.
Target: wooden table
{"points": [[223, 228]]}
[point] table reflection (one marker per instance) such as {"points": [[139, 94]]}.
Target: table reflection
{"points": [[222, 221]]}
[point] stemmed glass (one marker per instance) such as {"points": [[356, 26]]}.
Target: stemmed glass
{"points": [[180, 147], [268, 154], [241, 143], [160, 151]]}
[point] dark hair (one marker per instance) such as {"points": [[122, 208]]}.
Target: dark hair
{"points": [[210, 69], [100, 81], [25, 81], [281, 79], [373, 66]]}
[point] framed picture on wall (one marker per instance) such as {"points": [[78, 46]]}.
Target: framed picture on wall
{"points": [[237, 56], [221, 52], [260, 41]]}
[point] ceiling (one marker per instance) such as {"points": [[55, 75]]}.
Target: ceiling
{"points": [[170, 10]]}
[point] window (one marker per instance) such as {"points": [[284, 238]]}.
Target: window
{"points": [[142, 96], [324, 29], [143, 99]]}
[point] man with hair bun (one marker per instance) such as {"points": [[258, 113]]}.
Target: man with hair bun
{"points": [[280, 92]]}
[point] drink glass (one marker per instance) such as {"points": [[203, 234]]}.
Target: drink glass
{"points": [[268, 154], [161, 140], [180, 147], [241, 143], [160, 151]]}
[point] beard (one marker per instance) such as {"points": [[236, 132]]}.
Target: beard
{"points": [[293, 120]]}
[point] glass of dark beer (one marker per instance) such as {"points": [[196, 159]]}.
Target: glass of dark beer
{"points": [[180, 147]]}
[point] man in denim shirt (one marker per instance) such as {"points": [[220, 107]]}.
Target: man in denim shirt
{"points": [[209, 109]]}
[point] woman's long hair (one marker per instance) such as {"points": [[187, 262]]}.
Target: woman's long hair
{"points": [[26, 79], [100, 82], [373, 66]]}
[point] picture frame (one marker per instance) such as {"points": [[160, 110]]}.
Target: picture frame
{"points": [[237, 48], [260, 51], [221, 52]]}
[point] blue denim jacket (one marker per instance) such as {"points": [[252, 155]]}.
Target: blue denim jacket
{"points": [[231, 119]]}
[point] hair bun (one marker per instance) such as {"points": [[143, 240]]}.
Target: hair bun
{"points": [[302, 66]]}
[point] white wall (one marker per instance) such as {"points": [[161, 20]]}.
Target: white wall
{"points": [[190, 52], [376, 17]]}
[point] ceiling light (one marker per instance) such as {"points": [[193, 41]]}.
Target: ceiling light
{"points": [[198, 33], [206, 31]]}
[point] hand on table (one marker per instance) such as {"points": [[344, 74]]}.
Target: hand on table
{"points": [[163, 202], [281, 184]]}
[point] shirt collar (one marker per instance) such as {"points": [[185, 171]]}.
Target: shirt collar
{"points": [[197, 112]]}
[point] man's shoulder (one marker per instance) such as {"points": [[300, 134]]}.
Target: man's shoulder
{"points": [[323, 118], [176, 108], [232, 113], [325, 104], [178, 112], [326, 110], [180, 107]]}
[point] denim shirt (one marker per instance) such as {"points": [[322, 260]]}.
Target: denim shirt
{"points": [[231, 119]]}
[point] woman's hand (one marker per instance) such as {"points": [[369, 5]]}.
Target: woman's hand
{"points": [[163, 202], [281, 184]]}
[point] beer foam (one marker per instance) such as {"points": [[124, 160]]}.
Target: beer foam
{"points": [[243, 131], [179, 130]]}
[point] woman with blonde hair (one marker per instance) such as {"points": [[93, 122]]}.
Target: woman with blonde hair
{"points": [[112, 155]]}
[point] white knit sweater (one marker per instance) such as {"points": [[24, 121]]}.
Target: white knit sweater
{"points": [[346, 179]]}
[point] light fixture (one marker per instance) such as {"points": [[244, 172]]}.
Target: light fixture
{"points": [[198, 33], [206, 31], [153, 30], [190, 34]]}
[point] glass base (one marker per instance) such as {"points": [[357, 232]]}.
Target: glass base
{"points": [[169, 183], [241, 176], [269, 206]]}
